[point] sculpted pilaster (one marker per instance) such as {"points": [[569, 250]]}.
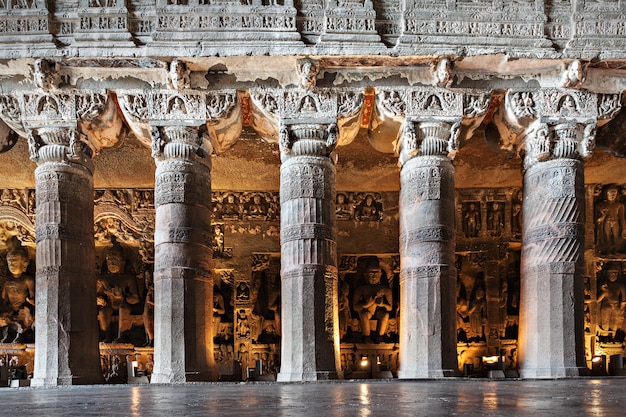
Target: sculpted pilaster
{"points": [[430, 136], [558, 133], [184, 127]]}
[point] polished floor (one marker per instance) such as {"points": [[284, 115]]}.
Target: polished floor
{"points": [[462, 397]]}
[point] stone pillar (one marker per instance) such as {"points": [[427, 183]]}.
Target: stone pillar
{"points": [[551, 294], [310, 334], [66, 331], [427, 243], [183, 285]]}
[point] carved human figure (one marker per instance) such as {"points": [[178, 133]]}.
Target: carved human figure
{"points": [[242, 293], [307, 71], [368, 210], [574, 75], [442, 75], [373, 300], [218, 310], [478, 314], [116, 292], [18, 292], [612, 299], [471, 220], [343, 209], [344, 308], [148, 309], [256, 208], [610, 222], [495, 218], [230, 209], [45, 74], [462, 318], [178, 75]]}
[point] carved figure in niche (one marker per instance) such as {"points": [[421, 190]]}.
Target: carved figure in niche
{"points": [[177, 105], [373, 300], [471, 220], [574, 75], [344, 308], [242, 292], [116, 292], [18, 293], [462, 317], [148, 309], [512, 301], [257, 208], [243, 327], [612, 299], [567, 105], [230, 209], [369, 210], [610, 222], [218, 238], [45, 74], [477, 315], [343, 209], [495, 218], [218, 310], [266, 297]]}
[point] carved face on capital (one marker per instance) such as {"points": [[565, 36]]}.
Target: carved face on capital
{"points": [[115, 262], [17, 263]]}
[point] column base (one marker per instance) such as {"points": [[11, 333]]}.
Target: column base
{"points": [[159, 378], [308, 376], [428, 374], [553, 373], [56, 382]]}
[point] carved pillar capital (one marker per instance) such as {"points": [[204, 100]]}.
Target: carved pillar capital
{"points": [[160, 116], [433, 121], [276, 111], [427, 139], [181, 142], [83, 122], [557, 123], [307, 140]]}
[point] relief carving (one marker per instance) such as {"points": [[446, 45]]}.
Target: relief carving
{"points": [[368, 300], [610, 220], [18, 297]]}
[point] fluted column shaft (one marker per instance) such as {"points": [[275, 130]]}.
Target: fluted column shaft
{"points": [[183, 284], [66, 331], [551, 293], [310, 335], [428, 274]]}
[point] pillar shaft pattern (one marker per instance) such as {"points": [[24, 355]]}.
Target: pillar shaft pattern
{"points": [[66, 333], [551, 294], [183, 284], [428, 274], [310, 335]]}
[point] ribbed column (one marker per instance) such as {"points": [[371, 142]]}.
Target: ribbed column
{"points": [[183, 285], [310, 332], [428, 274], [66, 330], [551, 292]]}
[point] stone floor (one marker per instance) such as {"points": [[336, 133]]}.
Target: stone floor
{"points": [[468, 397]]}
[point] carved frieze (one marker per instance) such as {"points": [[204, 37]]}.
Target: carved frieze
{"points": [[246, 206], [165, 107]]}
